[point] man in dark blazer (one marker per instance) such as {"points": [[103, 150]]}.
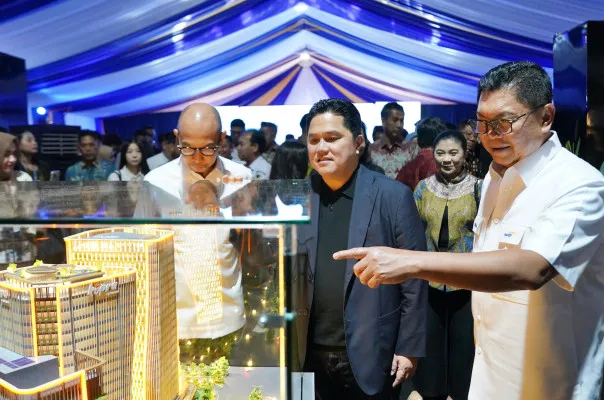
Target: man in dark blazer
{"points": [[360, 343]]}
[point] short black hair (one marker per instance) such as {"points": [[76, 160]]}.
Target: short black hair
{"points": [[141, 132], [268, 125], [452, 134], [463, 123], [83, 133], [343, 108], [427, 130], [238, 123], [168, 137], [531, 83], [391, 107], [304, 123], [229, 139], [111, 139], [257, 137]]}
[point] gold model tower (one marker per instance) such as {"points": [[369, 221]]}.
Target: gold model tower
{"points": [[151, 252]]}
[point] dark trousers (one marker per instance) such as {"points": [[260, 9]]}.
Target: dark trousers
{"points": [[334, 379], [447, 368]]}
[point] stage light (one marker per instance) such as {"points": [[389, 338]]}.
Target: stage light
{"points": [[305, 56], [301, 7], [41, 111]]}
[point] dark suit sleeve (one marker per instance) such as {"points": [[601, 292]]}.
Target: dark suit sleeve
{"points": [[409, 233]]}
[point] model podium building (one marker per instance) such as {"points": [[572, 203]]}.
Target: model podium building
{"points": [[66, 332], [151, 252]]}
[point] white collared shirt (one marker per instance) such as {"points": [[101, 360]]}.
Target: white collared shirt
{"points": [[125, 175], [548, 343], [209, 296], [261, 169], [157, 160]]}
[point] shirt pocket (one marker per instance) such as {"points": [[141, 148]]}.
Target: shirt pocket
{"points": [[511, 235]]}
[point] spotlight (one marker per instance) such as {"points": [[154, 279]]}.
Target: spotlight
{"points": [[41, 111]]}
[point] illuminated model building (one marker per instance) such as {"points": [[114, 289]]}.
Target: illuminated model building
{"points": [[151, 252], [67, 332]]}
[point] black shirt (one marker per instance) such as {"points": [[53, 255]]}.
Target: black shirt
{"points": [[327, 315]]}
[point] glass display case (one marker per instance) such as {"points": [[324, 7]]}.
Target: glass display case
{"points": [[127, 290]]}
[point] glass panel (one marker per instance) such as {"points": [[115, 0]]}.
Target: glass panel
{"points": [[102, 203], [173, 281]]}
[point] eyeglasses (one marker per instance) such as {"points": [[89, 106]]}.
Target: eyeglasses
{"points": [[498, 126], [208, 150]]}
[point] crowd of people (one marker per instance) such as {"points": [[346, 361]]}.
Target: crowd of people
{"points": [[417, 307]]}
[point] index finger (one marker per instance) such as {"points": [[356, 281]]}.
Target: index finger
{"points": [[357, 252]]}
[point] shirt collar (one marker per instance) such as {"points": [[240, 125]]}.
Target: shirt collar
{"points": [[346, 190], [95, 164], [530, 166], [191, 176]]}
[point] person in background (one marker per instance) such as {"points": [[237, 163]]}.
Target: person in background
{"points": [[359, 343], [537, 266], [378, 132], [237, 128], [391, 152], [447, 203], [423, 165], [28, 160], [270, 134], [226, 148], [90, 168], [304, 129], [251, 148], [133, 166], [291, 161], [9, 154], [472, 158], [169, 151], [289, 137], [110, 148], [365, 157], [147, 139]]}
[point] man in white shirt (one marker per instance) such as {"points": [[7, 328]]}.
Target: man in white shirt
{"points": [[250, 147], [209, 297], [169, 151], [537, 270]]}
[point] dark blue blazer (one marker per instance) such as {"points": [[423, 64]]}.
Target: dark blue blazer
{"points": [[378, 323]]}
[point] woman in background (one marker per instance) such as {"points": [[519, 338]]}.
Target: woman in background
{"points": [[290, 162], [28, 158], [8, 154], [133, 164], [447, 203]]}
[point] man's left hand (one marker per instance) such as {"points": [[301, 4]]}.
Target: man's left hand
{"points": [[403, 367]]}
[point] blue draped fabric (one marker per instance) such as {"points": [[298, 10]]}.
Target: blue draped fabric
{"points": [[17, 8], [100, 58]]}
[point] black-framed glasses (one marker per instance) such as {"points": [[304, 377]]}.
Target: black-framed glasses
{"points": [[501, 126], [208, 150]]}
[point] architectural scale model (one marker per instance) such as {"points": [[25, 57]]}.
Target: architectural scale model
{"points": [[154, 370], [66, 332]]}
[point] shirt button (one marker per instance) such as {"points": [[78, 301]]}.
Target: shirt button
{"points": [[478, 350], [478, 319], [496, 221], [330, 208]]}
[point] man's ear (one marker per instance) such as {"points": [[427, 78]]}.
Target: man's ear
{"points": [[222, 137], [360, 143], [549, 111], [175, 132]]}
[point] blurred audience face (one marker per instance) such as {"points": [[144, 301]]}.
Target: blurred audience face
{"points": [[9, 161], [471, 137], [393, 124], [170, 150], [236, 132], [28, 144], [450, 157], [269, 134], [332, 149], [89, 148], [198, 127], [245, 149], [225, 149], [134, 155]]}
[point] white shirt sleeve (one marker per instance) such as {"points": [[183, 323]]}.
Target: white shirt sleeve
{"points": [[113, 177], [569, 233]]}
